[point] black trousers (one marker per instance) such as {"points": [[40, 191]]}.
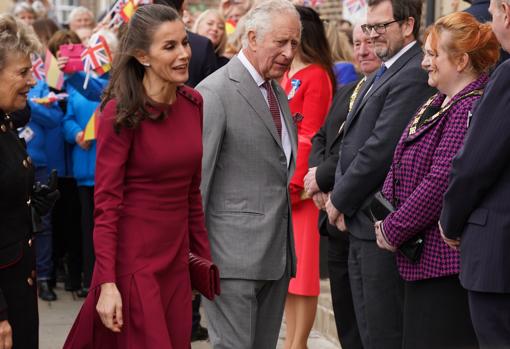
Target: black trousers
{"points": [[377, 293], [490, 313], [436, 315], [86, 195], [343, 307], [18, 284], [67, 230]]}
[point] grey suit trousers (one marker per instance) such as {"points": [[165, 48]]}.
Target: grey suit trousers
{"points": [[248, 313]]}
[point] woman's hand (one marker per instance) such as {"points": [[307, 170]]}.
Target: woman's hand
{"points": [[381, 240], [109, 307], [5, 335]]}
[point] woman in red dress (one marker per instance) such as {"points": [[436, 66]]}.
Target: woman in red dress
{"points": [[148, 209], [309, 86]]}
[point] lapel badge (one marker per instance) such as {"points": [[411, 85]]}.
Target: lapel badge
{"points": [[297, 118]]}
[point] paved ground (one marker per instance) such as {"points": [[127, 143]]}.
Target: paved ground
{"points": [[57, 317]]}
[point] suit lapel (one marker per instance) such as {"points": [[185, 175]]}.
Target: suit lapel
{"points": [[251, 93], [366, 93]]}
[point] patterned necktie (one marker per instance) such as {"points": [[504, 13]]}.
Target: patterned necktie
{"points": [[380, 73], [273, 107]]}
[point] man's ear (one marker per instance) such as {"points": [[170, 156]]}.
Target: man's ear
{"points": [[506, 11], [252, 40], [142, 57], [408, 27]]}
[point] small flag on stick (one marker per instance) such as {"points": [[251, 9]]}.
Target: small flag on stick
{"points": [[90, 131], [54, 76]]}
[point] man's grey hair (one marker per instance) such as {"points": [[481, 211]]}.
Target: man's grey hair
{"points": [[79, 11], [23, 7], [264, 17]]}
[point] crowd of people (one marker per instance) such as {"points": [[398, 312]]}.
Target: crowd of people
{"points": [[239, 136]]}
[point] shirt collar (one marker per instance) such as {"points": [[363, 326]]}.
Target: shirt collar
{"points": [[400, 53], [259, 80]]}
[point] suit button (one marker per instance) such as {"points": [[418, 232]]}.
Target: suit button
{"points": [[25, 163], [29, 201], [30, 281], [30, 242], [397, 181], [4, 128]]}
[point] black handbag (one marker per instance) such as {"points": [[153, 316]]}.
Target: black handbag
{"points": [[380, 208]]}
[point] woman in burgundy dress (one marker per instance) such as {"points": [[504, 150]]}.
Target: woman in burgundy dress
{"points": [[148, 208]]}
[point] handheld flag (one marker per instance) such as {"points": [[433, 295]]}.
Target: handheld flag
{"points": [[38, 67], [54, 76], [90, 131]]}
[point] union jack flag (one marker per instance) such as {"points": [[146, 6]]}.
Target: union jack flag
{"points": [[354, 5], [38, 67], [97, 56]]}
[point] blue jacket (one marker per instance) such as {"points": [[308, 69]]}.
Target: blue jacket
{"points": [[43, 119], [79, 111]]}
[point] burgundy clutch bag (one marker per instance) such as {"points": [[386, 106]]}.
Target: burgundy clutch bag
{"points": [[205, 276]]}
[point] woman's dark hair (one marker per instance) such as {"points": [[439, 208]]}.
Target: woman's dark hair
{"points": [[314, 48], [45, 28], [62, 37], [126, 81]]}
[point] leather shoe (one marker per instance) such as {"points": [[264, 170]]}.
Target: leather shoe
{"points": [[46, 292]]}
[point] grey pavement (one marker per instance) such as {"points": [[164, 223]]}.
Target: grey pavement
{"points": [[56, 318]]}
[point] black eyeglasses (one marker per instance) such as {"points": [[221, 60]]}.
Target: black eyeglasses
{"points": [[380, 28]]}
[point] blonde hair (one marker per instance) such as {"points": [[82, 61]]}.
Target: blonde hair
{"points": [[16, 37], [220, 48], [341, 48]]}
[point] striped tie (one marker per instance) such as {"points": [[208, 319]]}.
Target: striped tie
{"points": [[273, 107]]}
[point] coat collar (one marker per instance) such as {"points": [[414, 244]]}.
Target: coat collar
{"points": [[471, 90], [368, 90]]}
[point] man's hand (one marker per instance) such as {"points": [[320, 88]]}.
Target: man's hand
{"points": [[381, 240], [82, 143], [320, 199], [453, 243], [311, 186], [5, 335], [109, 307], [335, 217]]}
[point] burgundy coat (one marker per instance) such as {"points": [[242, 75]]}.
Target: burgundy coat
{"points": [[417, 181]]}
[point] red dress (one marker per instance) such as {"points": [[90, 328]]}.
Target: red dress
{"points": [[310, 94], [148, 216]]}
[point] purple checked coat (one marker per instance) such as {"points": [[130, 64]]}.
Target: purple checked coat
{"points": [[417, 181]]}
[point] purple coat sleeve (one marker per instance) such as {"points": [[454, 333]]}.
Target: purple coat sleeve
{"points": [[423, 207]]}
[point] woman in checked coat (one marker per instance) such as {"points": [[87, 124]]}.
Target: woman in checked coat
{"points": [[458, 53]]}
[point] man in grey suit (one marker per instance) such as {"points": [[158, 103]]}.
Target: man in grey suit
{"points": [[250, 146], [383, 108]]}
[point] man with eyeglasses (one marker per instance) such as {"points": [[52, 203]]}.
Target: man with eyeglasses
{"points": [[373, 127]]}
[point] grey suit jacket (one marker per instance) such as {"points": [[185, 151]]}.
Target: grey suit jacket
{"points": [[371, 133], [245, 177]]}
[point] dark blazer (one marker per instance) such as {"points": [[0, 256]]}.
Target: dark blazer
{"points": [[325, 147], [476, 205], [371, 132], [203, 58], [480, 9]]}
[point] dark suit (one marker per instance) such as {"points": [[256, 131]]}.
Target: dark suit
{"points": [[324, 156], [203, 59], [371, 132], [477, 208]]}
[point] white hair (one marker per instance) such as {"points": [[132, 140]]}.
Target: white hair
{"points": [[263, 17], [79, 11], [23, 7]]}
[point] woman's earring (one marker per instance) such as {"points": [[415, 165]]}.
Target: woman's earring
{"points": [[146, 64]]}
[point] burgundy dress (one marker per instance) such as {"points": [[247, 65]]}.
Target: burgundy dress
{"points": [[148, 216]]}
